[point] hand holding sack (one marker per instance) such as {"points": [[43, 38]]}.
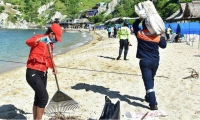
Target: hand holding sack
{"points": [[153, 21]]}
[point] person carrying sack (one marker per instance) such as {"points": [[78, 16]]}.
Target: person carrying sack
{"points": [[148, 53], [124, 37]]}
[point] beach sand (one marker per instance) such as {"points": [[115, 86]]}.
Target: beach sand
{"points": [[89, 73]]}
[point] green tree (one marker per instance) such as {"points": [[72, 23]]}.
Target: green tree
{"points": [[12, 17], [2, 8]]}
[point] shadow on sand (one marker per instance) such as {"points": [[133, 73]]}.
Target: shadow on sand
{"points": [[11, 112], [110, 94], [107, 57]]}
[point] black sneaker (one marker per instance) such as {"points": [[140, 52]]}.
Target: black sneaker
{"points": [[154, 107], [118, 57]]}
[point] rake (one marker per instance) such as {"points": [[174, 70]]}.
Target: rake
{"points": [[60, 102]]}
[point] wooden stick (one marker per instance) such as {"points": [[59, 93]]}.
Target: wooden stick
{"points": [[144, 116]]}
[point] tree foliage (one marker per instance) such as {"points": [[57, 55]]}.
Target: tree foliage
{"points": [[2, 8], [72, 8], [164, 7]]}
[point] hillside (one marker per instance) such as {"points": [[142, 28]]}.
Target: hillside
{"points": [[42, 11], [29, 8]]}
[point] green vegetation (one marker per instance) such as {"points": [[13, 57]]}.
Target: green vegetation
{"points": [[75, 8], [2, 8], [12, 17]]}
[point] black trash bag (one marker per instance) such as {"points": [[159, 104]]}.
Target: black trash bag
{"points": [[110, 111]]}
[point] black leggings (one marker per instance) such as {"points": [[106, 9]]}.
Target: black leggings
{"points": [[38, 81]]}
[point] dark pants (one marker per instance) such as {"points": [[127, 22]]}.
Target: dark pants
{"points": [[115, 34], [167, 35], [38, 81], [109, 33], [148, 69], [123, 44]]}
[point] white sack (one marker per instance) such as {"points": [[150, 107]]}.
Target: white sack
{"points": [[154, 22], [140, 10]]}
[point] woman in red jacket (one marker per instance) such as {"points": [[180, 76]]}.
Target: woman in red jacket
{"points": [[38, 63]]}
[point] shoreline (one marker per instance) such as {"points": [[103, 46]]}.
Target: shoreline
{"points": [[90, 72], [21, 64], [93, 41]]}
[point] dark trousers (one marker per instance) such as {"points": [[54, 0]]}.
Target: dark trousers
{"points": [[148, 69], [123, 44], [115, 34], [109, 33], [167, 35], [38, 81]]}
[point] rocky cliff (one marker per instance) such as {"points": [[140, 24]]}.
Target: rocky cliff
{"points": [[111, 6], [43, 12], [22, 23]]}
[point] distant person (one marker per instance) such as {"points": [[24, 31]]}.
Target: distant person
{"points": [[37, 65], [176, 39], [109, 32], [89, 27], [93, 28], [148, 53], [124, 37], [171, 31], [168, 32], [115, 32]]}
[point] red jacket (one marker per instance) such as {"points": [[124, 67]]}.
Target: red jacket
{"points": [[39, 58]]}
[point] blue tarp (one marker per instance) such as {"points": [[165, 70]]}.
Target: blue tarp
{"points": [[166, 25], [189, 28], [184, 28], [100, 27]]}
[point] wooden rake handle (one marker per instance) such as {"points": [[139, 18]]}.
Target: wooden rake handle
{"points": [[48, 46]]}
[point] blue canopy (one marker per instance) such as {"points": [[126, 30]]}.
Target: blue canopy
{"points": [[189, 28], [166, 25], [173, 26]]}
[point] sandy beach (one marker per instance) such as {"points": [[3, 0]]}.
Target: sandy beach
{"points": [[89, 73]]}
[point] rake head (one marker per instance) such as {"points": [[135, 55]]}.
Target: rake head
{"points": [[61, 103]]}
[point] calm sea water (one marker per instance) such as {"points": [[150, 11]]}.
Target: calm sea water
{"points": [[14, 51]]}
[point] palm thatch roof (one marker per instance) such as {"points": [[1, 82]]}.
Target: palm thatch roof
{"points": [[187, 11], [84, 20], [194, 9], [112, 20]]}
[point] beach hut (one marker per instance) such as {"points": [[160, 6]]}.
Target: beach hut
{"points": [[186, 12], [84, 20]]}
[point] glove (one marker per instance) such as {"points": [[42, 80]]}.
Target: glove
{"points": [[139, 9], [45, 39]]}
